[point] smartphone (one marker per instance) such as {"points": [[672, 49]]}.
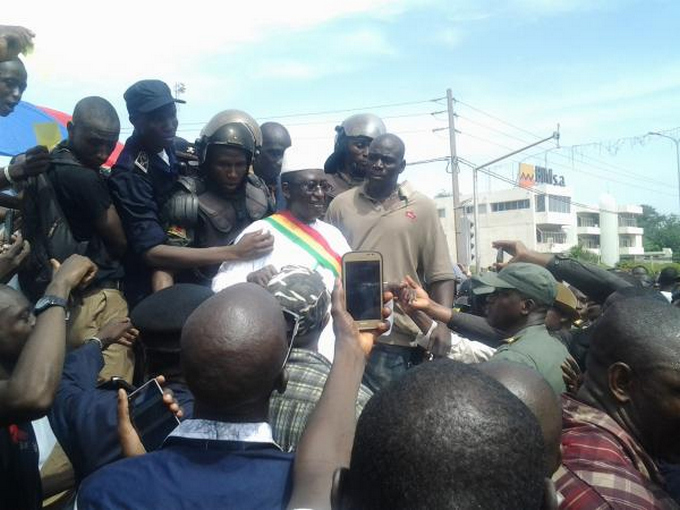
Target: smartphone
{"points": [[150, 416], [362, 278], [500, 255], [9, 225]]}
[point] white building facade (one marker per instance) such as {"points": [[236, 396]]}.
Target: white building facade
{"points": [[542, 217]]}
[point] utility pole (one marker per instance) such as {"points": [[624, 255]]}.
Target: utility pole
{"points": [[475, 197], [676, 141], [461, 248]]}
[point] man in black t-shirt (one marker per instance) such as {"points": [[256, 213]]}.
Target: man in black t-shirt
{"points": [[93, 221]]}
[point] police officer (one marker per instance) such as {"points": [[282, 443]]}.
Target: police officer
{"points": [[214, 210], [143, 180], [347, 164]]}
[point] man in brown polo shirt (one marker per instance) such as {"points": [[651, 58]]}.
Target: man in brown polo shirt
{"points": [[402, 224]]}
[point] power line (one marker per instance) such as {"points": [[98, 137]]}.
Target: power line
{"points": [[574, 169], [582, 157]]}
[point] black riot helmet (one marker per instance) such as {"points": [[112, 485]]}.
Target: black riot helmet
{"points": [[361, 125], [233, 128], [233, 134]]}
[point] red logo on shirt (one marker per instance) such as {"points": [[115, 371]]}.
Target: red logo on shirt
{"points": [[411, 215], [16, 434]]}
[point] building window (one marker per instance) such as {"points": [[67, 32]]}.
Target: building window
{"points": [[551, 237], [559, 204], [540, 203], [627, 221], [587, 221], [442, 213], [626, 242], [512, 205], [481, 209]]}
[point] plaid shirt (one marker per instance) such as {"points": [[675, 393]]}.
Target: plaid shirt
{"points": [[603, 467], [288, 413]]}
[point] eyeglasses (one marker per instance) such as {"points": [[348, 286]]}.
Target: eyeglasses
{"points": [[296, 318], [311, 186]]}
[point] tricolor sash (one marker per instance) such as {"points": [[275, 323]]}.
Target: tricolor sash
{"points": [[306, 238]]}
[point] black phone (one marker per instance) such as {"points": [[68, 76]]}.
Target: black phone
{"points": [[363, 283], [150, 416], [9, 225]]}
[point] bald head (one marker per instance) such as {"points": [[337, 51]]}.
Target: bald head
{"points": [[639, 331], [233, 349], [534, 391], [93, 131], [275, 141], [391, 142], [96, 113]]}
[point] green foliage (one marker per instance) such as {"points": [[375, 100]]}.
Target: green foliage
{"points": [[580, 253], [654, 268], [661, 231]]}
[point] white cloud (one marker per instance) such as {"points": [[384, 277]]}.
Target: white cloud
{"points": [[79, 40]]}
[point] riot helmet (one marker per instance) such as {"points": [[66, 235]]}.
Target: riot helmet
{"points": [[232, 128], [361, 125]]}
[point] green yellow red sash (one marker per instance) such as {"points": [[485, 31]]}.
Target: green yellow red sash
{"points": [[306, 238]]}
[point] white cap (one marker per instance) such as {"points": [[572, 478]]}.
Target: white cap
{"points": [[298, 158]]}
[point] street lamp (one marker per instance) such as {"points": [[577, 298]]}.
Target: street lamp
{"points": [[676, 141]]}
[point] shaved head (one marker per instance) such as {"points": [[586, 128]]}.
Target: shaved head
{"points": [[391, 141], [275, 142], [96, 113], [633, 372], [535, 392], [639, 331], [233, 348], [93, 131]]}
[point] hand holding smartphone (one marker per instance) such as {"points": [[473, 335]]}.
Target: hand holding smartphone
{"points": [[150, 415], [362, 278]]}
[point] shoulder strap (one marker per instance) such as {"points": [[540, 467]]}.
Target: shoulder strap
{"points": [[308, 239]]}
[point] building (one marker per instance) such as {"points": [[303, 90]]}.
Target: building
{"points": [[543, 217]]}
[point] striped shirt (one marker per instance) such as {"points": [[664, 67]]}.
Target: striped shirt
{"points": [[603, 466], [288, 413]]}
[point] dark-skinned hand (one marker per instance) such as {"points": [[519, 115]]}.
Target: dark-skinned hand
{"points": [[254, 245], [118, 331], [12, 257], [14, 40], [262, 276], [347, 334], [129, 439], [35, 161], [75, 272]]}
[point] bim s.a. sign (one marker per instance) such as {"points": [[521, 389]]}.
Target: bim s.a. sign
{"points": [[530, 175]]}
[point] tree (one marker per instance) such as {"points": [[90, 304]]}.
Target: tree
{"points": [[579, 252], [661, 231]]}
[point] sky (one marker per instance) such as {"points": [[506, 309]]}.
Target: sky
{"points": [[607, 71]]}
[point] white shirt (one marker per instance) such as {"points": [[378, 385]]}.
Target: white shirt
{"points": [[287, 253]]}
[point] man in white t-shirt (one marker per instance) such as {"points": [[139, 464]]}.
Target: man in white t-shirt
{"points": [[300, 238]]}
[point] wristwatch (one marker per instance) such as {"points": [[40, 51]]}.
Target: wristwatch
{"points": [[46, 302]]}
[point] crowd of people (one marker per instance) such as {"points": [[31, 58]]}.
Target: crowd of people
{"points": [[214, 269]]}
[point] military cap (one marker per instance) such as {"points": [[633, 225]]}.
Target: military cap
{"points": [[302, 292], [148, 95], [530, 280], [163, 314]]}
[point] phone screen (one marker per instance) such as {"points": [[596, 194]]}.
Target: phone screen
{"points": [[363, 289], [150, 416]]}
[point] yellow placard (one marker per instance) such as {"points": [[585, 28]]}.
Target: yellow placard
{"points": [[47, 134]]}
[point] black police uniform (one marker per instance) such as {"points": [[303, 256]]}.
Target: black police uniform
{"points": [[140, 184]]}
